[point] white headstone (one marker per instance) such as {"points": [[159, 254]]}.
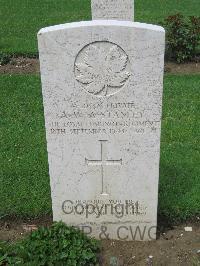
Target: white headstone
{"points": [[113, 9], [102, 89]]}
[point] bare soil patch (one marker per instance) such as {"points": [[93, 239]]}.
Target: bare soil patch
{"points": [[21, 65], [173, 247], [13, 229], [187, 68]]}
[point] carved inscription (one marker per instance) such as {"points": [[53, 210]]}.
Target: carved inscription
{"points": [[115, 9], [107, 118]]}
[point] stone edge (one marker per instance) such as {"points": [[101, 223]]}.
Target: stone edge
{"points": [[118, 23]]}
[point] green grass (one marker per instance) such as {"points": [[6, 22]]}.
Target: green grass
{"points": [[20, 20], [24, 179], [179, 195]]}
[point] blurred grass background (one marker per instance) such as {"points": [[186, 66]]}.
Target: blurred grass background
{"points": [[20, 20]]}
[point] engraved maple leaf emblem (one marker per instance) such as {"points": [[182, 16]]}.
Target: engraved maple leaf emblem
{"points": [[102, 71]]}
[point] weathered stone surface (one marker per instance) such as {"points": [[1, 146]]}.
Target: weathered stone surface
{"points": [[113, 9], [102, 88]]}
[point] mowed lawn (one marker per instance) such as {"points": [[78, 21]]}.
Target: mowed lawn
{"points": [[20, 20], [25, 189]]}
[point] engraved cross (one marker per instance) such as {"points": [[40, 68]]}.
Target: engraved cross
{"points": [[103, 162]]}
